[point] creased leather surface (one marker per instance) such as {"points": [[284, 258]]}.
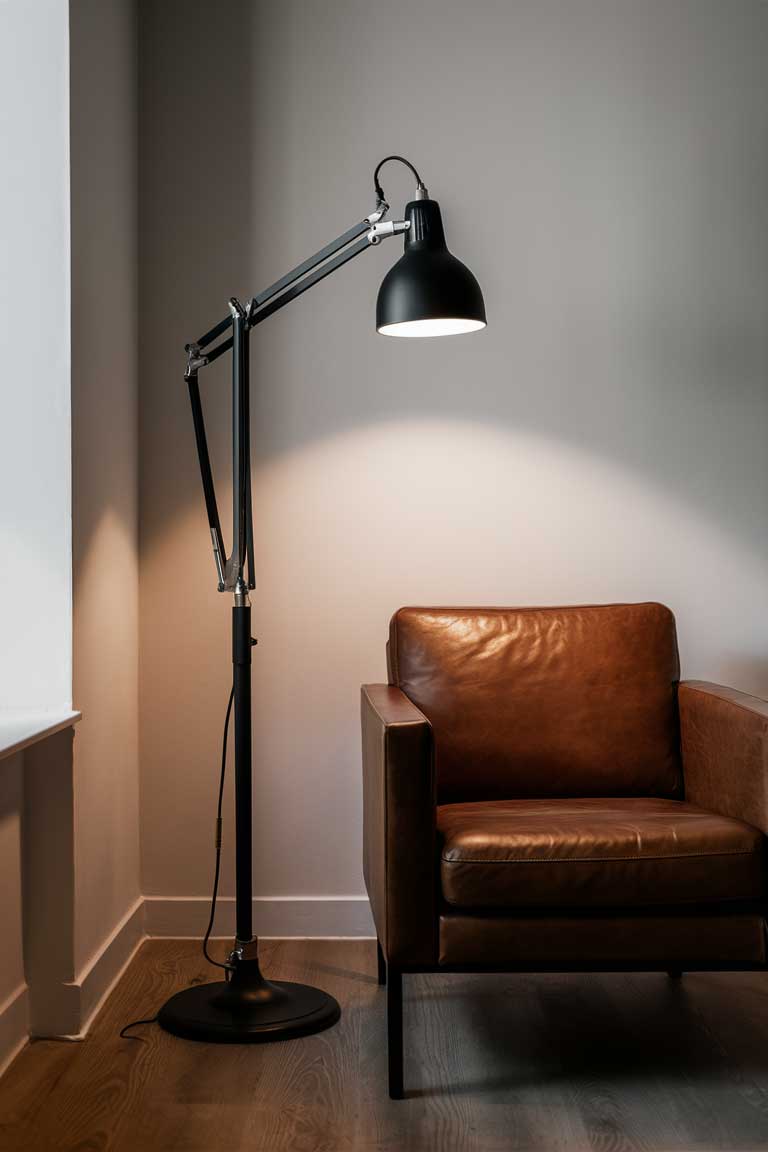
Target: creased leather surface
{"points": [[595, 853], [544, 701], [577, 942], [724, 735], [399, 837]]}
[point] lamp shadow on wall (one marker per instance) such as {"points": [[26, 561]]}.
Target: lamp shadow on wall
{"points": [[625, 355], [602, 439]]}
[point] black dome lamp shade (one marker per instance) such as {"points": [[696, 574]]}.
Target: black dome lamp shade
{"points": [[428, 292]]}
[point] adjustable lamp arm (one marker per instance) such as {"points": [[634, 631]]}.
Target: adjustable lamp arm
{"points": [[372, 225], [303, 276], [366, 234]]}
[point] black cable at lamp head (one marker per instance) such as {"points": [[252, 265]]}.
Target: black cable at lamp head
{"points": [[421, 191]]}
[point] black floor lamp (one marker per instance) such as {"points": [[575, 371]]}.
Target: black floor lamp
{"points": [[428, 292]]}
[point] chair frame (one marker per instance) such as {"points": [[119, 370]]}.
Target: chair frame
{"points": [[392, 977]]}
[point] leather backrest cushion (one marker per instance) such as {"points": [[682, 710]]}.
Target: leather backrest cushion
{"points": [[539, 702]]}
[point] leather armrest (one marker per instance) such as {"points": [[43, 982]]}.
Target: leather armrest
{"points": [[724, 739], [399, 836]]}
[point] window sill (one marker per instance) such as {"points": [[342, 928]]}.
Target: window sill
{"points": [[20, 729]]}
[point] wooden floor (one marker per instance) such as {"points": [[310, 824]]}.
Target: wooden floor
{"points": [[492, 1062]]}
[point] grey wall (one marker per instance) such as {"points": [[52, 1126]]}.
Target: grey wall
{"points": [[104, 158], [603, 167]]}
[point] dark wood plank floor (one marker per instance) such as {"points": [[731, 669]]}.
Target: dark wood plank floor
{"points": [[543, 1062]]}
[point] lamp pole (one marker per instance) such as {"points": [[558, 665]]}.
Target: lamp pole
{"points": [[246, 1008]]}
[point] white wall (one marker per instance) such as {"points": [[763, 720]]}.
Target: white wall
{"points": [[35, 490], [602, 166], [35, 499]]}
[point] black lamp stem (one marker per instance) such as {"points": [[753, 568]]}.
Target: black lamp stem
{"points": [[241, 667], [242, 534]]}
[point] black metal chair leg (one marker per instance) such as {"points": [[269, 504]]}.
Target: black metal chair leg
{"points": [[382, 974], [395, 1032], [674, 974]]}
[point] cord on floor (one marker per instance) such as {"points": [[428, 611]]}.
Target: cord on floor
{"points": [[134, 1024]]}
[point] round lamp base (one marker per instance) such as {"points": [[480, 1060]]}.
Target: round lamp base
{"points": [[248, 1012]]}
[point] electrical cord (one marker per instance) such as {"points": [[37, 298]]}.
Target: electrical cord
{"points": [[377, 186], [134, 1024], [214, 894]]}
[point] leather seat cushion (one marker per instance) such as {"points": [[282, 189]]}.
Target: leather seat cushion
{"points": [[587, 853]]}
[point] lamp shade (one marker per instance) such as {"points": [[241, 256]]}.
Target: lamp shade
{"points": [[428, 292]]}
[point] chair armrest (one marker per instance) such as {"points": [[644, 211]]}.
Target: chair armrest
{"points": [[399, 834], [724, 740]]}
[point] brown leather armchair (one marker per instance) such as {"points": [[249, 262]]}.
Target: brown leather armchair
{"points": [[542, 794]]}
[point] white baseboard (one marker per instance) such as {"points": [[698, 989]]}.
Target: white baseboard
{"points": [[102, 973], [66, 1009], [281, 916], [14, 1025]]}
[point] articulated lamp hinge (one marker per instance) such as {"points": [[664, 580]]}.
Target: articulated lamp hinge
{"points": [[379, 211], [380, 231], [196, 359]]}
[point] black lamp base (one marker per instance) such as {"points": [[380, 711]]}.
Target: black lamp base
{"points": [[248, 1010]]}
